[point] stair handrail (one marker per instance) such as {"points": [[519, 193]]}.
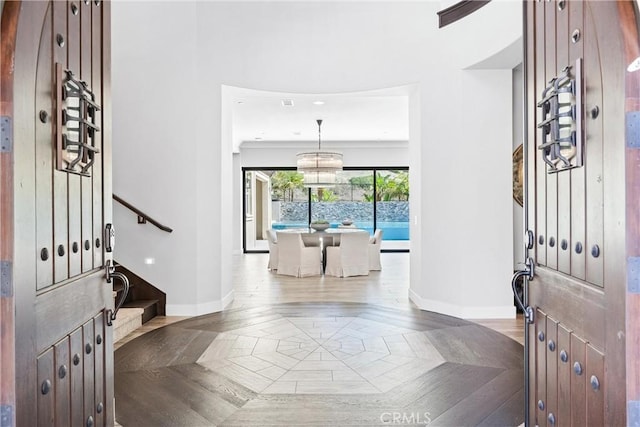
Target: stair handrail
{"points": [[144, 216]]}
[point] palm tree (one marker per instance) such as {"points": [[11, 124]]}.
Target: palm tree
{"points": [[284, 183]]}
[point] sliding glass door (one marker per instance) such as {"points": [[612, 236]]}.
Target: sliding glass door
{"points": [[365, 198], [392, 207]]}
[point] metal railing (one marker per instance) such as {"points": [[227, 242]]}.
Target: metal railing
{"points": [[143, 218]]}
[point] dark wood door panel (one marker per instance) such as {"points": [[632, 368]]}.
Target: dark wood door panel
{"points": [[69, 305], [581, 307], [64, 371], [578, 215]]}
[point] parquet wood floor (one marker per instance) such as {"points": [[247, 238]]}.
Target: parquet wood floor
{"points": [[332, 352]]}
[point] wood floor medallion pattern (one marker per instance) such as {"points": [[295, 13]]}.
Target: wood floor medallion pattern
{"points": [[320, 364]]}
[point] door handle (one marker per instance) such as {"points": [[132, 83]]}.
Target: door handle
{"points": [[109, 237], [112, 273], [528, 272]]}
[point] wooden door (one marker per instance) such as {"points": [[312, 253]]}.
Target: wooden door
{"points": [[576, 66], [56, 93]]}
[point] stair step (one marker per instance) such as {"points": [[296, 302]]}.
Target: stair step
{"points": [[128, 320], [150, 308], [118, 287]]}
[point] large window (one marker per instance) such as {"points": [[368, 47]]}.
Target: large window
{"points": [[367, 198]]}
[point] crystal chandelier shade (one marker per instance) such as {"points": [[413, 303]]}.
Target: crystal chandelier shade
{"points": [[319, 167]]}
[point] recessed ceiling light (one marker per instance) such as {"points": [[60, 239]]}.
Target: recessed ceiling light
{"points": [[318, 102], [258, 138], [297, 133], [239, 102], [287, 102]]}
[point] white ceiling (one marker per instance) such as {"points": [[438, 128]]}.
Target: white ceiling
{"points": [[375, 116]]}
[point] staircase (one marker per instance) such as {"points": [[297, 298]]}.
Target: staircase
{"points": [[143, 296], [144, 301]]}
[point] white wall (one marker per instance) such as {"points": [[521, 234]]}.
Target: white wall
{"points": [[460, 129], [154, 145], [518, 219]]}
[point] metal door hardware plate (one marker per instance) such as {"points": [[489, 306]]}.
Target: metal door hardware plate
{"points": [[6, 135], [562, 110]]}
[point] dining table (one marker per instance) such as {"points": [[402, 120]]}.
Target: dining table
{"points": [[322, 238]]}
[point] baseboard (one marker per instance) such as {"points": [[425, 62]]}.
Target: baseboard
{"points": [[200, 308], [228, 299], [463, 312]]}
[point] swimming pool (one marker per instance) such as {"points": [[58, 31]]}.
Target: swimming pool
{"points": [[391, 230]]}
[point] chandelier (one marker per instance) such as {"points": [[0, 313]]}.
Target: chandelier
{"points": [[319, 167]]}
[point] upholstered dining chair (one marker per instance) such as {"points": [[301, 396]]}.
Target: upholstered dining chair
{"points": [[273, 250], [296, 259], [351, 258], [374, 250]]}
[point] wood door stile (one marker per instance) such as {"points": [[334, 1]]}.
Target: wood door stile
{"points": [[593, 170], [541, 174], [73, 180], [101, 205], [84, 68], [578, 258], [60, 179], [44, 158], [564, 179], [551, 202]]}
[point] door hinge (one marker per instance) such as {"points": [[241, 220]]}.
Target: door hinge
{"points": [[6, 415], [6, 135], [632, 125], [6, 277], [633, 275]]}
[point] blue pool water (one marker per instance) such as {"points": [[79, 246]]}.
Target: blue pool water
{"points": [[390, 230]]}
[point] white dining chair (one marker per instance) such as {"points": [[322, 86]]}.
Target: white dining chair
{"points": [[296, 259], [374, 250], [351, 258], [273, 250]]}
